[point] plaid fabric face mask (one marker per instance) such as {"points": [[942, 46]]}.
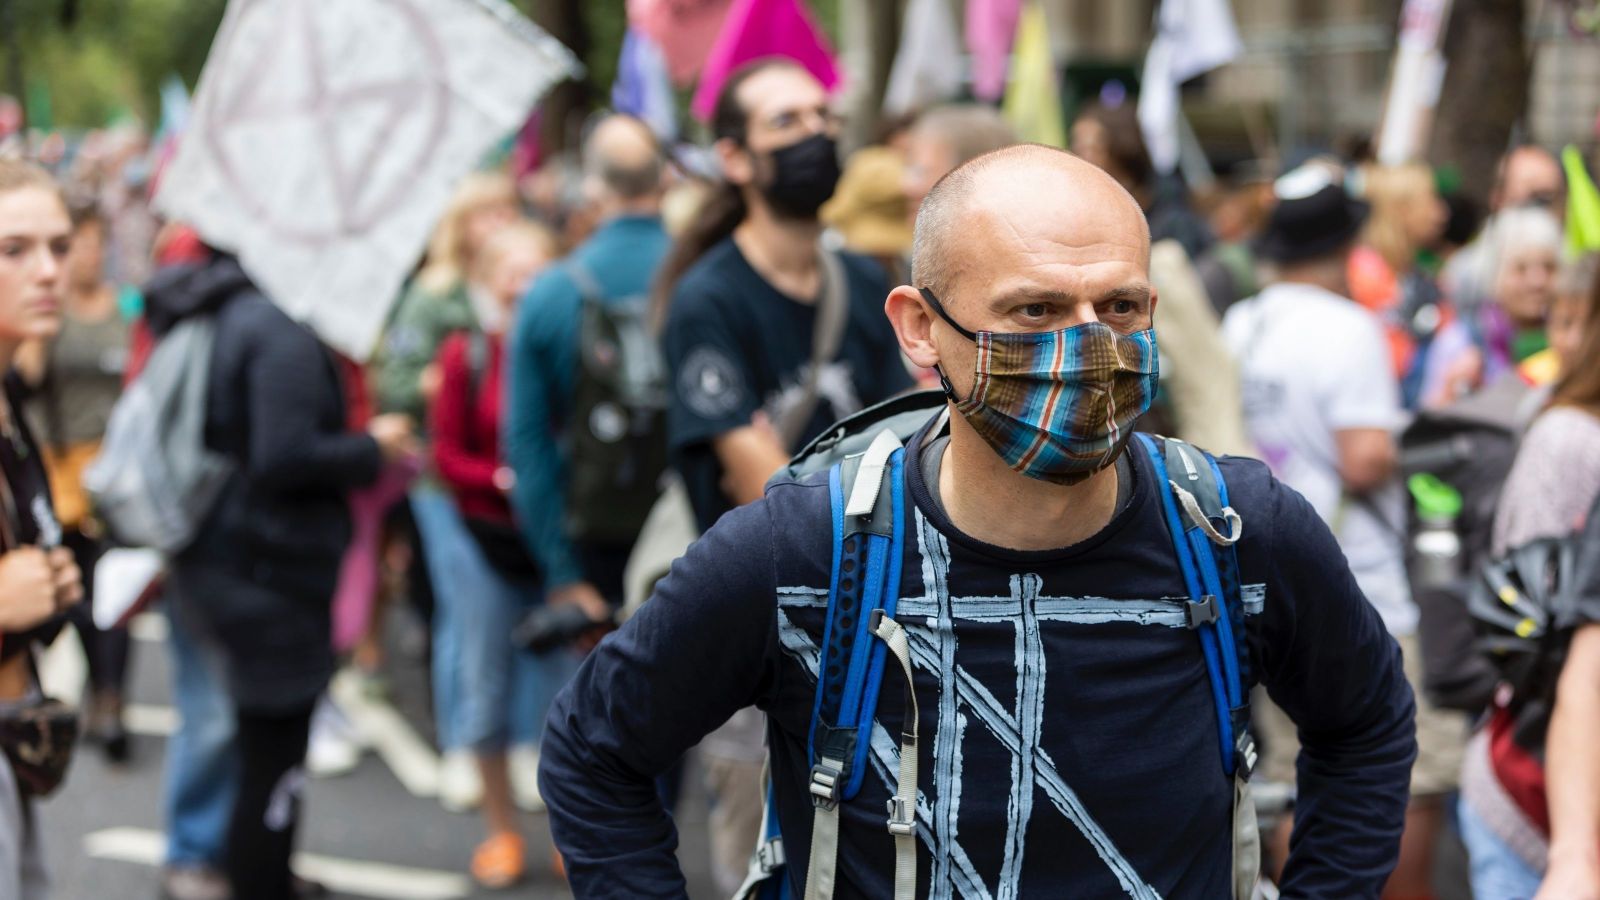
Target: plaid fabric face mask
{"points": [[1057, 405]]}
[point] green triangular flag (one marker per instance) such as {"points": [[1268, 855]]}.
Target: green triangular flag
{"points": [[1583, 204]]}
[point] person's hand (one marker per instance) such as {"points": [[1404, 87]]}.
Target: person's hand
{"points": [[1570, 878], [583, 595], [1463, 376], [27, 589], [395, 435], [67, 578], [429, 383]]}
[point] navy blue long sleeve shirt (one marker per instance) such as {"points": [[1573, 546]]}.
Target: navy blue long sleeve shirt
{"points": [[1068, 743]]}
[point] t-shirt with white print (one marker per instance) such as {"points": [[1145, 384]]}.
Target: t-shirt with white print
{"points": [[1313, 363]]}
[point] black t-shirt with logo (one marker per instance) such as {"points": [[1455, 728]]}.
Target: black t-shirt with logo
{"points": [[736, 345]]}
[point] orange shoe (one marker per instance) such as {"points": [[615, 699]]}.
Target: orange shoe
{"points": [[499, 861]]}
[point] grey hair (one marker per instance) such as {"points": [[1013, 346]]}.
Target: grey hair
{"points": [[1520, 228], [969, 130]]}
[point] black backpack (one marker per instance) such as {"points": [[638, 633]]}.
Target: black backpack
{"points": [[617, 435], [1468, 446]]}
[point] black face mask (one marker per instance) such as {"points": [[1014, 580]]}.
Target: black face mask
{"points": [[804, 175]]}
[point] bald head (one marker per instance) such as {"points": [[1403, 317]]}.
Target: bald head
{"points": [[625, 156], [1025, 240], [1023, 199]]}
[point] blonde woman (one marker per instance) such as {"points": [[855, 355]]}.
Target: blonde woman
{"points": [[437, 304], [1408, 216]]}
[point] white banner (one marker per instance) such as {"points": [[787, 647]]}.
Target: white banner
{"points": [[327, 137], [1414, 82], [1192, 37]]}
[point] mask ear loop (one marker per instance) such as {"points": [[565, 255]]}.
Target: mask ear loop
{"points": [[939, 310]]}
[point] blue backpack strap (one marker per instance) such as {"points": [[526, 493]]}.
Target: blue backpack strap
{"points": [[868, 511], [1195, 493], [867, 497], [764, 877]]}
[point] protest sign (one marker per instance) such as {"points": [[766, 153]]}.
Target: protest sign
{"points": [[326, 139]]}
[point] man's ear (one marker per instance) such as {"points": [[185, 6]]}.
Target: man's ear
{"points": [[1155, 297], [737, 165], [913, 325]]}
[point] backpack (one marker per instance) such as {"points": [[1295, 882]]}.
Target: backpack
{"points": [[1456, 459], [865, 460], [617, 437], [1525, 606], [155, 480]]}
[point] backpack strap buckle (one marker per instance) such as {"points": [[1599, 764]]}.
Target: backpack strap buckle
{"points": [[1244, 754], [769, 856], [827, 781], [902, 818], [1202, 613]]}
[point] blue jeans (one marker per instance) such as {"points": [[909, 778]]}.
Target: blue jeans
{"points": [[1497, 872], [444, 540], [202, 761], [504, 692]]}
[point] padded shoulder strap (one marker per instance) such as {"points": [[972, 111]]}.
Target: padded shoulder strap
{"points": [[588, 287], [1195, 503]]}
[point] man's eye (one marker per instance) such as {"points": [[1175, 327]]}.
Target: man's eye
{"points": [[1124, 308], [1035, 311]]}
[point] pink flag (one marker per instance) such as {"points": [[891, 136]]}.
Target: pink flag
{"points": [[758, 28], [991, 26], [683, 29]]}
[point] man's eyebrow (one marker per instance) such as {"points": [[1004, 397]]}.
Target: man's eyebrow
{"points": [[1138, 293]]}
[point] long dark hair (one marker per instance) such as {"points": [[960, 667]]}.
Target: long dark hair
{"points": [[724, 208]]}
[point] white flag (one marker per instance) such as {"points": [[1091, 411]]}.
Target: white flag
{"points": [[327, 137], [928, 67], [1192, 37]]}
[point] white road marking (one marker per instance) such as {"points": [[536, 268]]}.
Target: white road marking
{"points": [[379, 725], [150, 720], [387, 732], [149, 627], [382, 881]]}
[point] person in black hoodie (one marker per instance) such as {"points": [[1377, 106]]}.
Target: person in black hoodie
{"points": [[259, 580]]}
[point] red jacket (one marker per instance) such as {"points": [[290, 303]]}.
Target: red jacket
{"points": [[466, 429]]}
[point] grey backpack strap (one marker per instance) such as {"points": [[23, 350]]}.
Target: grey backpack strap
{"points": [[588, 287], [833, 311]]}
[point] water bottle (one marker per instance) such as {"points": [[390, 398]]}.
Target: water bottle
{"points": [[1437, 544]]}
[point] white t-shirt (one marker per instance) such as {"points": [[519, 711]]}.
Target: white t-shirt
{"points": [[1313, 363]]}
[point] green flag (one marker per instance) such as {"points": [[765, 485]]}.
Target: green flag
{"points": [[1583, 204]]}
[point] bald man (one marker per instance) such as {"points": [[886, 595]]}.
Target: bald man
{"points": [[581, 537], [1067, 741]]}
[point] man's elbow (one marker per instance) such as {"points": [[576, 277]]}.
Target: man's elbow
{"points": [[1365, 473]]}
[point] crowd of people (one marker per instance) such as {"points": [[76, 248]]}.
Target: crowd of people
{"points": [[588, 385]]}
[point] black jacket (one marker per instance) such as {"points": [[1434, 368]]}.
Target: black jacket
{"points": [[280, 529]]}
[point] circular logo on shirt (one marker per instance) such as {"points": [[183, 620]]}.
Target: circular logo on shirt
{"points": [[710, 384], [608, 423]]}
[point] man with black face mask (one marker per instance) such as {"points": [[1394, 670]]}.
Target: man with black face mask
{"points": [[1032, 664], [768, 339], [750, 291]]}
